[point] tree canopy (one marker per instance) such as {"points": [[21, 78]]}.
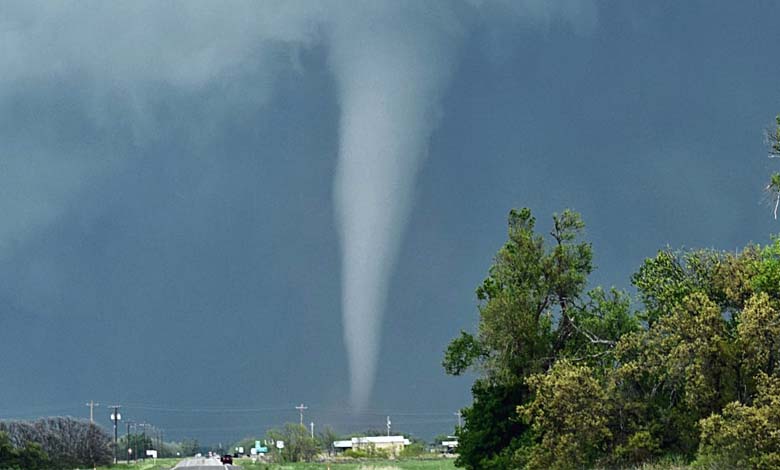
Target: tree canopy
{"points": [[572, 379]]}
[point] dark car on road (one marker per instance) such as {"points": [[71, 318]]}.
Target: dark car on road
{"points": [[227, 459]]}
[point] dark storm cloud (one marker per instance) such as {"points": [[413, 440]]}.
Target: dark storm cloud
{"points": [[167, 180], [391, 62]]}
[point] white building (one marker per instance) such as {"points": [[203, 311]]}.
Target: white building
{"points": [[393, 445]]}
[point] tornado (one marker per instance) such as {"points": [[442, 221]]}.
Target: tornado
{"points": [[389, 76]]}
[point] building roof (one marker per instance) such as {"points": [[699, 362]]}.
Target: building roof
{"points": [[381, 439], [371, 440]]}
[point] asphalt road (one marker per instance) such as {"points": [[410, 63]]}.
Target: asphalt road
{"points": [[203, 463]]}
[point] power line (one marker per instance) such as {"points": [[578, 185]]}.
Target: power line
{"points": [[228, 409], [174, 409], [35, 410]]}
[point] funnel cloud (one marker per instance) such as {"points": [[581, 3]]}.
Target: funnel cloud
{"points": [[390, 74], [392, 64]]}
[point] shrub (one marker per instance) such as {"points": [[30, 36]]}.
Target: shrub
{"points": [[744, 436], [369, 452], [28, 457], [569, 416], [414, 449]]}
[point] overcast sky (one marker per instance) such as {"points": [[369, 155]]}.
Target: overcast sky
{"points": [[196, 197]]}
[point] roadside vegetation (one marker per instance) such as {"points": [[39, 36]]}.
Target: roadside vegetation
{"points": [[685, 373]]}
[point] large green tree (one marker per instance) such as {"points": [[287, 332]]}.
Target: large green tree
{"points": [[532, 312], [528, 301], [568, 379]]}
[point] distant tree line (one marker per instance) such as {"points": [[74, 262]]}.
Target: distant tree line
{"points": [[139, 443], [300, 446], [569, 378], [53, 443]]}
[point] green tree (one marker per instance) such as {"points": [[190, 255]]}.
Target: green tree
{"points": [[190, 447], [744, 436], [767, 269], [30, 456], [492, 430], [299, 446], [570, 380], [326, 437], [69, 442], [759, 336], [711, 327], [414, 449], [528, 315], [7, 452], [683, 366], [600, 322], [569, 416], [665, 280], [139, 443]]}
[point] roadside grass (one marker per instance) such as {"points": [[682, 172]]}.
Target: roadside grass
{"points": [[409, 464], [149, 464], [437, 464]]}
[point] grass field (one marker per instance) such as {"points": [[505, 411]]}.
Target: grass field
{"points": [[149, 464], [438, 464]]}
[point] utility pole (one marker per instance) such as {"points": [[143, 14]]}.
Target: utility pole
{"points": [[460, 419], [143, 441], [115, 417], [135, 442], [92, 406], [388, 425], [127, 437], [312, 429], [300, 409]]}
